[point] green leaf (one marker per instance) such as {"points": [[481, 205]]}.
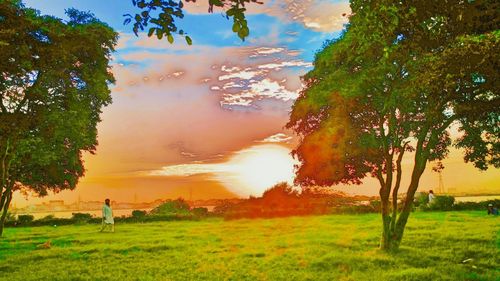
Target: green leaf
{"points": [[243, 32], [170, 38], [151, 31], [236, 27], [217, 3], [189, 41]]}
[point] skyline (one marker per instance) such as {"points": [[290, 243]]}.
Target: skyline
{"points": [[201, 106]]}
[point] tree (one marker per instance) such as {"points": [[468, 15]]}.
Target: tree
{"points": [[178, 206], [279, 191], [54, 81], [161, 14], [399, 76]]}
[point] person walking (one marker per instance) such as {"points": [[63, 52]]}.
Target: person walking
{"points": [[431, 197], [107, 217]]}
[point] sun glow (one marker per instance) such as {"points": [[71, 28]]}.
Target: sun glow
{"points": [[257, 168], [249, 172]]}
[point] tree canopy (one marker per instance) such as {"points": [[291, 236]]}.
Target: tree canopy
{"points": [[54, 82], [161, 15], [399, 76]]}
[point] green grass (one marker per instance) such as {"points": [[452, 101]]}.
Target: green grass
{"points": [[336, 247]]}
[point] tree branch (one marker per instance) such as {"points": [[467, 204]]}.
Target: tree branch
{"points": [[26, 93], [380, 178]]}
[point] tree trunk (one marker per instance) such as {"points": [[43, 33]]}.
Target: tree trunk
{"points": [[3, 210], [396, 233], [5, 186], [387, 242], [393, 228], [4, 207], [392, 234]]}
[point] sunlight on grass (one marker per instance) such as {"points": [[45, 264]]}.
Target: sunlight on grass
{"points": [[336, 247]]}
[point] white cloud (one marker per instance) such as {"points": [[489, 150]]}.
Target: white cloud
{"points": [[279, 137], [319, 15], [248, 172], [324, 16], [258, 90], [252, 80], [245, 74], [280, 65]]}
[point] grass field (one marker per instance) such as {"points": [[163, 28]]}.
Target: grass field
{"points": [[336, 247]]}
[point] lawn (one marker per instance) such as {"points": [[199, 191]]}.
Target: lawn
{"points": [[335, 247]]}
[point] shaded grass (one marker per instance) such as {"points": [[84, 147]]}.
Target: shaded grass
{"points": [[336, 247]]}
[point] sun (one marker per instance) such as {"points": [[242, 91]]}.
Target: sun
{"points": [[250, 171], [253, 170]]}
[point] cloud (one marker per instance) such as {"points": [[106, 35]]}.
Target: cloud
{"points": [[249, 171], [324, 16], [280, 65], [318, 15], [261, 73], [180, 147], [258, 90], [239, 74], [184, 170], [265, 51], [241, 77], [279, 137]]}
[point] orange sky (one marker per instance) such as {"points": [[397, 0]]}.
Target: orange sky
{"points": [[207, 112]]}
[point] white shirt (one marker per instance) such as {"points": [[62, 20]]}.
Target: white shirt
{"points": [[107, 214], [431, 197]]}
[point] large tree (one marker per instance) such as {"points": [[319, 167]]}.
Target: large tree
{"points": [[401, 74], [54, 81]]}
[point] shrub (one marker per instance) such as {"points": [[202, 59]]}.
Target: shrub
{"points": [[442, 203], [459, 206], [47, 218], [224, 207], [25, 219], [53, 221], [200, 212], [178, 206], [81, 217], [376, 205], [10, 217], [138, 214], [280, 191], [355, 209], [421, 199]]}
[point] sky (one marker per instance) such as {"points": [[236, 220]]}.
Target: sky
{"points": [[207, 120]]}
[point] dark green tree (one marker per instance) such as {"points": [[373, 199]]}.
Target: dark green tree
{"points": [[54, 82], [399, 77]]}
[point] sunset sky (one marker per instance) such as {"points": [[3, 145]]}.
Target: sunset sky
{"points": [[208, 119]]}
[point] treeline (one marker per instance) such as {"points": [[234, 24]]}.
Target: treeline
{"points": [[171, 210], [281, 200], [447, 203]]}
